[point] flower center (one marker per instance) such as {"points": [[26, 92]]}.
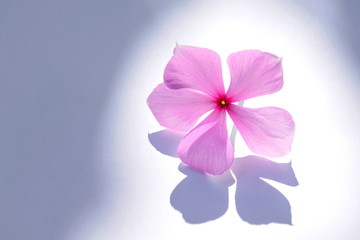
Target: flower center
{"points": [[222, 102]]}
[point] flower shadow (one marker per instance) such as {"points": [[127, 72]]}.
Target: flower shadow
{"points": [[166, 141], [201, 197], [257, 202]]}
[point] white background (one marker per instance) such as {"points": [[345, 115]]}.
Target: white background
{"points": [[76, 160]]}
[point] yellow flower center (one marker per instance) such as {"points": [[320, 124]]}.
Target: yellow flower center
{"points": [[223, 102]]}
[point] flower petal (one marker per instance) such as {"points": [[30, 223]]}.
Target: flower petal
{"points": [[196, 68], [207, 147], [179, 109], [253, 73], [267, 131]]}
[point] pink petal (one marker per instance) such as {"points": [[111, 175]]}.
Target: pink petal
{"points": [[267, 131], [196, 68], [179, 109], [207, 147], [253, 73]]}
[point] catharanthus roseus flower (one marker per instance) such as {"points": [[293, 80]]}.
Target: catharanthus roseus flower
{"points": [[193, 86]]}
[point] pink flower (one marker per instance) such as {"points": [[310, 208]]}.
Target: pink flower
{"points": [[193, 86]]}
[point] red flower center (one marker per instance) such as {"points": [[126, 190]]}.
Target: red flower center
{"points": [[222, 102]]}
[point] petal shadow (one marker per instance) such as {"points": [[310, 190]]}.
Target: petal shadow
{"points": [[201, 197], [257, 202], [166, 141]]}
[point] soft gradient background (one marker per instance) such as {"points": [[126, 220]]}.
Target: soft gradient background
{"points": [[75, 158]]}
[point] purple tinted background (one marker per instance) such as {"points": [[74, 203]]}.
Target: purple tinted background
{"points": [[58, 61]]}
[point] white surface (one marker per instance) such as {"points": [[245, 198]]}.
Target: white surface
{"points": [[76, 161], [319, 91]]}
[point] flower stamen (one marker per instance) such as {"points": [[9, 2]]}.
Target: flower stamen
{"points": [[222, 102]]}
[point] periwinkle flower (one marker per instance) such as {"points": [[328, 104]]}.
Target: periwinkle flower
{"points": [[193, 86]]}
